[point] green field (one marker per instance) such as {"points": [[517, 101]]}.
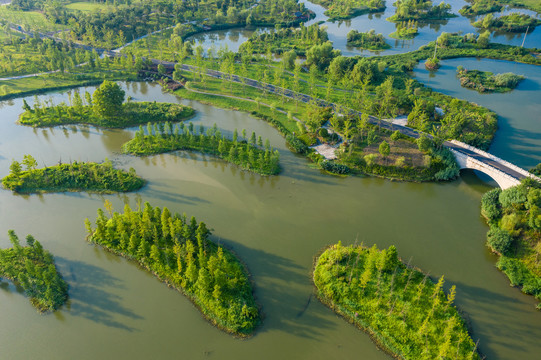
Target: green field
{"points": [[87, 6], [29, 20]]}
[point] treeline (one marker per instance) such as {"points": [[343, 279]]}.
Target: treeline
{"points": [[76, 176], [33, 268], [514, 217], [249, 154], [420, 9], [400, 307], [178, 251], [345, 9], [286, 39], [367, 40], [484, 81]]}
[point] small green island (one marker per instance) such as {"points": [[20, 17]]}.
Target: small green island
{"points": [[404, 312], [480, 7], [33, 268], [105, 108], [296, 41], [405, 30], [367, 40], [179, 252], [76, 176], [514, 22], [420, 10], [484, 81], [514, 217], [347, 9], [248, 153]]}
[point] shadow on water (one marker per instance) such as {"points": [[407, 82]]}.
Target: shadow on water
{"points": [[281, 279], [172, 196], [493, 328], [89, 297]]}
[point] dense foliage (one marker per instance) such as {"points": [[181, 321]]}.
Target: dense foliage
{"points": [[420, 9], [178, 251], [514, 217], [76, 176], [248, 155], [33, 268], [401, 308], [480, 7], [345, 9], [106, 111], [514, 22], [367, 40], [484, 81]]}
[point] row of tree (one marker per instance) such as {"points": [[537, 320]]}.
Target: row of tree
{"points": [[33, 268], [249, 155], [179, 252]]}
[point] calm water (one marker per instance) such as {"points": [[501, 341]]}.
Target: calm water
{"points": [[519, 135], [276, 225], [428, 31]]}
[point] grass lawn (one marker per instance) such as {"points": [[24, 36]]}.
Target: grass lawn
{"points": [[29, 20], [87, 6]]}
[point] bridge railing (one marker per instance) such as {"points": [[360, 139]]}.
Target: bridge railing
{"points": [[495, 158]]}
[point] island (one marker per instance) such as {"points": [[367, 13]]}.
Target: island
{"points": [[420, 10], [514, 217], [484, 81], [105, 108], [514, 22], [480, 7], [285, 40], [179, 252], [347, 9], [75, 176], [403, 311], [367, 40], [33, 268], [249, 154]]}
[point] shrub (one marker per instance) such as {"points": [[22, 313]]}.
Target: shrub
{"points": [[499, 240], [334, 167], [490, 204]]}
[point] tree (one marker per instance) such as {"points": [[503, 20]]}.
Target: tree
{"points": [[29, 162], [499, 240], [15, 168], [108, 99], [384, 149]]}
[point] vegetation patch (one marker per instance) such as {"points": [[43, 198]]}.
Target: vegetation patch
{"points": [[249, 154], [484, 81], [420, 10], [104, 108], [405, 30], [514, 22], [405, 313], [76, 176], [178, 252], [347, 9], [367, 40], [481, 7], [33, 268], [514, 217]]}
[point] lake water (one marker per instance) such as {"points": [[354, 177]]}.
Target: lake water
{"points": [[275, 224]]}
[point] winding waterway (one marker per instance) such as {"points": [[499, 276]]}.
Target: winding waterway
{"points": [[338, 30], [275, 224]]}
